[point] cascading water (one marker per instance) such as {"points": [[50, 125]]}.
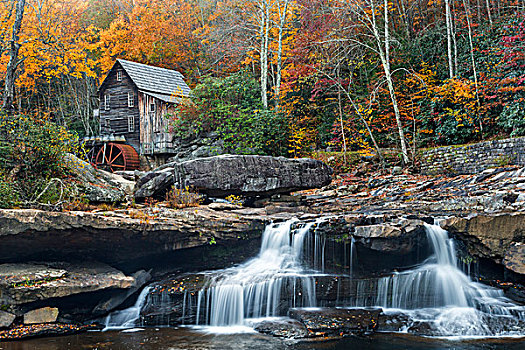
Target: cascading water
{"points": [[439, 293], [127, 318], [436, 293], [255, 288]]}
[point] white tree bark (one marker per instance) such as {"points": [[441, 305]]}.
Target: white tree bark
{"points": [[283, 12], [384, 55], [448, 21], [7, 103], [264, 6]]}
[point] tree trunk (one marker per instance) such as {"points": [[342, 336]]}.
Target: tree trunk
{"points": [[282, 23], [448, 22], [7, 103], [488, 12], [474, 71], [265, 32], [384, 55]]}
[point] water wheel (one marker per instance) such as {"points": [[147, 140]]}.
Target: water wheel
{"points": [[116, 156]]}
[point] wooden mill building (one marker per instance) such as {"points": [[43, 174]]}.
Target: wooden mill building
{"points": [[135, 100]]}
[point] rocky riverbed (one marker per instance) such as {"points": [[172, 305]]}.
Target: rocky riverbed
{"points": [[99, 258]]}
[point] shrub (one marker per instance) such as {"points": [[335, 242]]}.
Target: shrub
{"points": [[8, 193], [182, 198], [32, 152], [512, 119]]}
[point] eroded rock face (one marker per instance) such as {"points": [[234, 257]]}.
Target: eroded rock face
{"points": [[26, 283], [43, 315], [514, 259], [120, 236], [488, 236], [246, 175]]}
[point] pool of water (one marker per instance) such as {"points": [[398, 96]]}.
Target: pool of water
{"points": [[187, 338]]}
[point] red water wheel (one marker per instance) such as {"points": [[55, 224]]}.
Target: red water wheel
{"points": [[116, 156]]}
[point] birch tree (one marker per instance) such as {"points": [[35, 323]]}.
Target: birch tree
{"points": [[383, 49], [448, 21], [282, 11], [14, 47]]}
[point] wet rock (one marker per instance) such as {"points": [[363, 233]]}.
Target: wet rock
{"points": [[514, 259], [25, 283], [488, 236], [392, 321], [43, 315], [141, 278], [41, 330], [282, 328], [400, 236], [6, 319], [334, 321], [97, 185], [223, 206], [247, 175]]}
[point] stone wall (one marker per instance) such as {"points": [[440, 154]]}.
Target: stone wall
{"points": [[474, 158]]}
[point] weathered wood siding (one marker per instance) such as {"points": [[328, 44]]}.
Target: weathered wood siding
{"points": [[115, 120], [154, 135]]}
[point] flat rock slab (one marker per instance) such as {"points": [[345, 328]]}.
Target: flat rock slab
{"points": [[42, 315], [6, 319], [335, 321], [25, 283], [41, 330], [121, 235], [245, 175]]}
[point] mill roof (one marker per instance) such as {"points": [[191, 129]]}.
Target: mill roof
{"points": [[166, 84]]}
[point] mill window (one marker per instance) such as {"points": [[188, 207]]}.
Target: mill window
{"points": [[106, 102], [119, 75], [131, 124], [131, 99]]}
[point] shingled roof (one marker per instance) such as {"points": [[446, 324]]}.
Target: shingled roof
{"points": [[165, 84]]}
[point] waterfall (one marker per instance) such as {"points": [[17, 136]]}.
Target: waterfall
{"points": [[255, 289], [289, 268], [127, 318], [438, 292]]}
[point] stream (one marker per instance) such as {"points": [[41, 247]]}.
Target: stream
{"points": [[441, 306]]}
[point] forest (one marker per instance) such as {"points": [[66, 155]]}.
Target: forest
{"points": [[281, 77]]}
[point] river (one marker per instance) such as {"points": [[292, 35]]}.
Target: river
{"points": [[186, 339]]}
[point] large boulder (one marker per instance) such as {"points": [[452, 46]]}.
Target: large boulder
{"points": [[246, 175], [97, 185]]}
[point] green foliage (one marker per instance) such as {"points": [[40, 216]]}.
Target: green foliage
{"points": [[231, 107], [512, 119], [31, 153], [8, 193]]}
